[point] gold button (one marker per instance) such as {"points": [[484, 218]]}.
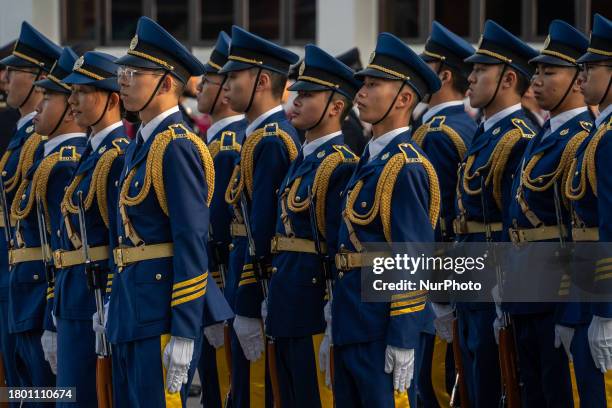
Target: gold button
{"points": [[120, 239], [314, 280], [116, 183], [4, 173], [286, 190], [231, 246], [341, 246], [297, 198], [364, 204], [340, 275], [158, 276], [136, 184], [276, 192], [23, 197], [577, 173], [59, 234], [274, 269], [35, 277]]}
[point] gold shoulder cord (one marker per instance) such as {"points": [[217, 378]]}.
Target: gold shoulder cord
{"points": [[587, 169], [384, 193], [154, 171], [242, 176], [561, 171], [214, 148], [26, 159], [421, 133], [39, 188]]}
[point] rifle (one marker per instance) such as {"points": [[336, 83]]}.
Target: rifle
{"points": [[227, 342], [262, 276], [47, 256], [325, 265], [8, 236], [511, 396], [459, 395], [104, 385]]}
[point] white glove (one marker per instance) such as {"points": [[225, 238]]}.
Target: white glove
{"points": [[327, 312], [325, 354], [54, 319], [600, 342], [497, 325], [444, 321], [97, 327], [249, 333], [215, 334], [177, 357], [564, 335], [400, 362], [49, 346]]}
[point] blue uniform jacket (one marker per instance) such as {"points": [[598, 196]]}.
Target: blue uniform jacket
{"points": [[438, 139], [12, 178], [540, 160], [73, 299], [271, 160], [163, 295], [398, 323], [594, 210], [28, 287], [297, 289]]}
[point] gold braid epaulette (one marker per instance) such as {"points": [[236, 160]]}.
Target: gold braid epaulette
{"points": [[26, 159], [588, 168], [97, 186], [39, 187], [497, 163], [384, 193], [320, 185], [421, 133], [214, 147], [154, 170], [561, 172], [243, 173]]}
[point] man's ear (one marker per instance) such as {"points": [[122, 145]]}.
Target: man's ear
{"points": [[406, 97], [336, 107], [115, 101], [510, 79], [167, 84], [264, 81], [446, 76]]}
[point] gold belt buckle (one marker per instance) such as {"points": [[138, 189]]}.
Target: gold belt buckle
{"points": [[118, 254], [274, 245], [11, 257], [57, 259], [343, 261], [515, 235]]}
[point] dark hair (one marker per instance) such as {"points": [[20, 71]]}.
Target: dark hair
{"points": [[277, 82], [460, 83], [522, 82]]}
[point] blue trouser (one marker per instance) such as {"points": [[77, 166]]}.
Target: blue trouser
{"points": [[544, 370], [7, 344], [76, 360], [32, 368], [301, 383], [480, 356], [214, 376], [593, 386], [435, 372], [360, 379], [250, 382], [139, 377]]}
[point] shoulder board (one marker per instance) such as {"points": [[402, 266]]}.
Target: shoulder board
{"points": [[68, 153], [347, 155], [586, 125], [178, 130], [522, 126], [228, 141], [436, 123], [121, 143], [410, 153], [270, 129]]}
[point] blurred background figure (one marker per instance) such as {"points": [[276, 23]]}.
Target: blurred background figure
{"points": [[8, 116]]}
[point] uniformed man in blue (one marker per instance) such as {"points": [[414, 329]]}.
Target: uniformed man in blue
{"points": [[395, 80], [499, 77], [445, 135], [256, 75], [30, 287], [156, 305], [224, 138], [532, 216], [32, 58], [96, 105], [295, 319], [590, 193]]}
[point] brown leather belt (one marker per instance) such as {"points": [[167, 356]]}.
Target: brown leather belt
{"points": [[65, 259], [585, 234], [287, 244], [237, 230], [547, 232], [124, 256], [474, 227]]}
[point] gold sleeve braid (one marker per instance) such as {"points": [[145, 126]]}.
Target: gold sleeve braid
{"points": [[421, 133], [154, 170], [496, 163], [320, 186], [562, 170], [588, 168], [39, 188], [384, 192]]}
